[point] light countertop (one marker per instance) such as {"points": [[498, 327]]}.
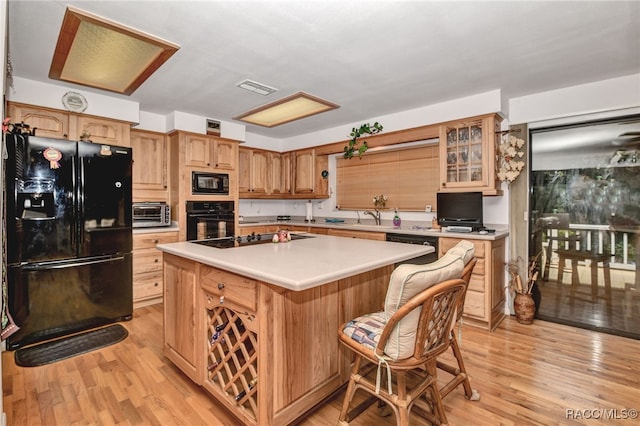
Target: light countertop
{"points": [[408, 227], [301, 264], [153, 229]]}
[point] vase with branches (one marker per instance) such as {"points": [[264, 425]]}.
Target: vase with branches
{"points": [[524, 304]]}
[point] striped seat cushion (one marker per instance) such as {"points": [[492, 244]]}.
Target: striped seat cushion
{"points": [[366, 329]]}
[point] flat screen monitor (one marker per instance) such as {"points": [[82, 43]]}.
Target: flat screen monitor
{"points": [[460, 209]]}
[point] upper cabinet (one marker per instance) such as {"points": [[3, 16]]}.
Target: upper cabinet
{"points": [[49, 123], [53, 123], [104, 130], [150, 174], [467, 155], [207, 152], [304, 181], [253, 172], [309, 177], [275, 169], [269, 174]]}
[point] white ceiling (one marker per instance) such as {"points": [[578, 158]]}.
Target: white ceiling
{"points": [[371, 57]]}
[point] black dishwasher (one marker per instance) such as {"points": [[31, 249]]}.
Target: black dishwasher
{"points": [[424, 240]]}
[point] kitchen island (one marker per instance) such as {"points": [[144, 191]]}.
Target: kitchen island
{"points": [[256, 326]]}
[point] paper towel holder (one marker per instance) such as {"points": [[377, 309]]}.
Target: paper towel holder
{"points": [[309, 216]]}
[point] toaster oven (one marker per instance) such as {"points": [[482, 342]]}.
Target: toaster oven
{"points": [[151, 214]]}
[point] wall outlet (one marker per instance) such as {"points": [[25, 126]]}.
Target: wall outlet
{"points": [[427, 208]]}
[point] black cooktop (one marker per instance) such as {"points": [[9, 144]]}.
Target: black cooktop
{"points": [[245, 240]]}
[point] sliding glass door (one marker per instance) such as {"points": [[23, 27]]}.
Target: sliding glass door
{"points": [[585, 223]]}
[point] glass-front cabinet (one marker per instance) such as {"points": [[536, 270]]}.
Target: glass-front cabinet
{"points": [[467, 155]]}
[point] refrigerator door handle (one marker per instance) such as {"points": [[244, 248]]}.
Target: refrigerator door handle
{"points": [[35, 219], [70, 264]]}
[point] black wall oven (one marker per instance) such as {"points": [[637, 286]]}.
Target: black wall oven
{"points": [[210, 219]]}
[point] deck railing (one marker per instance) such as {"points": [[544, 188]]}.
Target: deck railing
{"points": [[621, 244]]}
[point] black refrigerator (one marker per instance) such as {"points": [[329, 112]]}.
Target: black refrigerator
{"points": [[68, 221]]}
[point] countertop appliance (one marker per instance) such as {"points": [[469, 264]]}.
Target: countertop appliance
{"points": [[151, 214], [210, 219], [425, 240], [246, 240], [68, 236]]}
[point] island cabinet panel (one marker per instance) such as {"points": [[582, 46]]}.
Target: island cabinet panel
{"points": [[265, 353], [303, 339], [182, 327], [225, 285], [485, 298]]}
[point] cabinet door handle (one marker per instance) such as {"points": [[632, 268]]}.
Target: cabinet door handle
{"points": [[220, 286]]}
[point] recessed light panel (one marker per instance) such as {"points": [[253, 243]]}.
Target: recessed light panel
{"points": [[94, 52], [288, 109]]}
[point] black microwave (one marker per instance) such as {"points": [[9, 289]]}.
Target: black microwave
{"points": [[209, 183]]}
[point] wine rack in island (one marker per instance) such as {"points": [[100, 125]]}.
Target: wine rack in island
{"points": [[232, 364]]}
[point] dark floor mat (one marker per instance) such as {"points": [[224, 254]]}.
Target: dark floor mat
{"points": [[56, 350]]}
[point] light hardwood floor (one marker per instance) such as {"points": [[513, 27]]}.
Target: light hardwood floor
{"points": [[526, 374]]}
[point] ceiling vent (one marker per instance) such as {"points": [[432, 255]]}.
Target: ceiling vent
{"points": [[255, 87]]}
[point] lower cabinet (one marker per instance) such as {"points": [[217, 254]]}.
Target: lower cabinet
{"points": [[147, 267], [485, 299], [380, 236]]}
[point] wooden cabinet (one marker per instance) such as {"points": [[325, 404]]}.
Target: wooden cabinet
{"points": [[198, 151], [276, 184], [259, 229], [316, 230], [308, 180], [49, 123], [150, 173], [191, 152], [485, 299], [287, 173], [269, 174], [251, 343], [293, 228], [59, 124], [467, 155], [207, 152], [103, 130], [182, 326], [253, 172], [147, 267], [380, 236], [305, 166]]}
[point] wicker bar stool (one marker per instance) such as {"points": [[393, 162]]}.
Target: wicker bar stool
{"points": [[459, 373], [403, 342]]}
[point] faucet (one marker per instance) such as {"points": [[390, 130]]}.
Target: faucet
{"points": [[376, 215]]}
